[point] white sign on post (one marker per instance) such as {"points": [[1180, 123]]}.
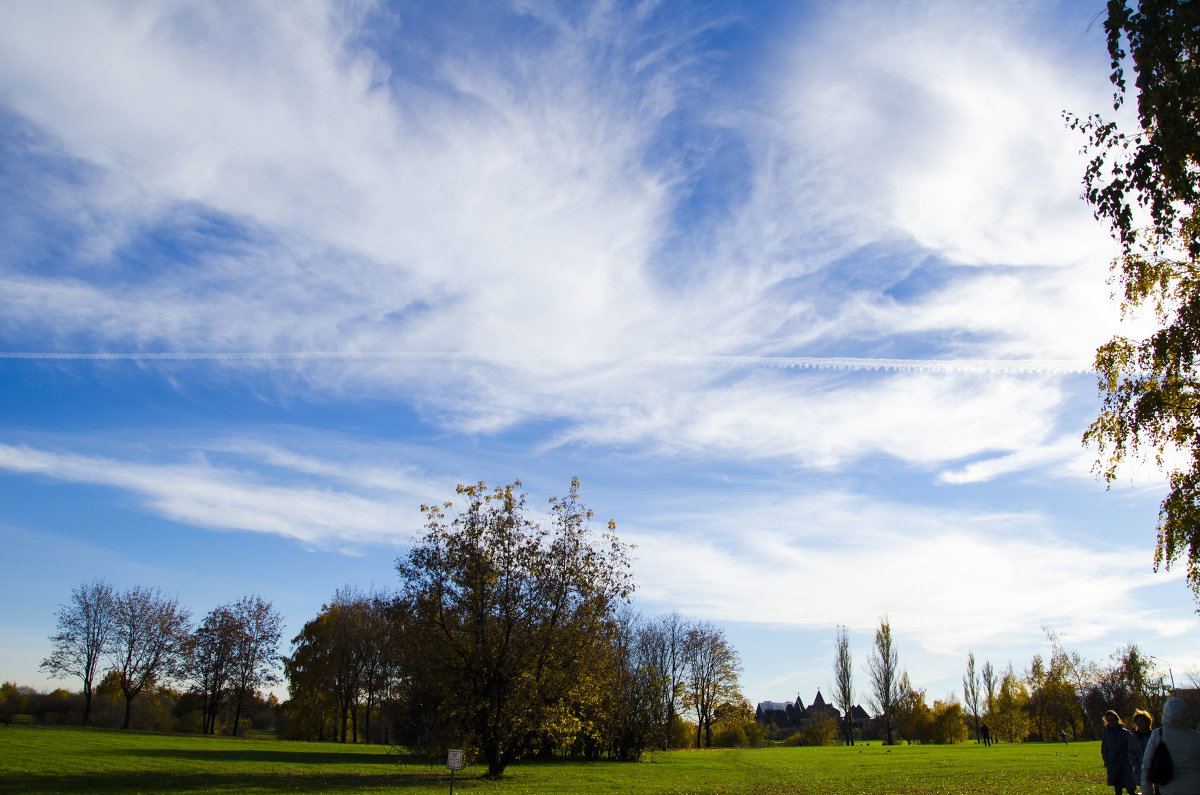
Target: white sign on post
{"points": [[454, 759]]}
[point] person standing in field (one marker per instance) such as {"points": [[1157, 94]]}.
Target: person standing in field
{"points": [[1139, 736], [1114, 750], [985, 734], [1183, 743]]}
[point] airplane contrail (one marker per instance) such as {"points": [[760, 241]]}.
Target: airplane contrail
{"points": [[1065, 366], [1054, 366]]}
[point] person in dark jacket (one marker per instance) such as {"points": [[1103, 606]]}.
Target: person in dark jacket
{"points": [[1139, 736], [1114, 750]]}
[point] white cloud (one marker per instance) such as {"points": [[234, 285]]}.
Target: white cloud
{"points": [[503, 210], [226, 498], [518, 211], [950, 119], [824, 421], [949, 578]]}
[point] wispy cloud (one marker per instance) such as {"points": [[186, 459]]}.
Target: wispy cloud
{"points": [[201, 494], [951, 578], [489, 238]]}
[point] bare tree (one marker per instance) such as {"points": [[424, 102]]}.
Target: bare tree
{"points": [[883, 670], [256, 651], [636, 711], [843, 683], [149, 631], [207, 659], [665, 643], [971, 691], [84, 625]]}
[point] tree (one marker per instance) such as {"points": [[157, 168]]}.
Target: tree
{"points": [[949, 727], [1053, 702], [382, 622], [504, 613], [667, 643], [971, 691], [821, 731], [988, 679], [882, 671], [1151, 386], [255, 653], [1079, 674], [843, 683], [1009, 717], [84, 626], [912, 717], [328, 660], [737, 728], [619, 702], [1137, 669], [207, 659], [148, 634], [711, 677], [308, 671], [1039, 704]]}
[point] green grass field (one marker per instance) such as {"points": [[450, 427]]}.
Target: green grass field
{"points": [[82, 760]]}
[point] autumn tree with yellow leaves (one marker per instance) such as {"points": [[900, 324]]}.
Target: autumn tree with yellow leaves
{"points": [[510, 617]]}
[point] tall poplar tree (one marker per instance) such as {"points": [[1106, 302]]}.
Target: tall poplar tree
{"points": [[843, 683], [971, 691], [883, 667]]}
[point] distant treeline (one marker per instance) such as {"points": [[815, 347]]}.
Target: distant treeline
{"points": [[160, 708], [1063, 696]]}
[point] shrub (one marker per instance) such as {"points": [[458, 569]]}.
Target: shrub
{"points": [[730, 737], [819, 732]]}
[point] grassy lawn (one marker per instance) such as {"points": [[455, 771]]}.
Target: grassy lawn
{"points": [[82, 760]]}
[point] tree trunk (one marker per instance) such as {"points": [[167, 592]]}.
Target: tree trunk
{"points": [[237, 714], [128, 707], [87, 704], [367, 727]]}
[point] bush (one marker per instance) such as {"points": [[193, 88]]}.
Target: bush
{"points": [[730, 737], [683, 733], [819, 732]]}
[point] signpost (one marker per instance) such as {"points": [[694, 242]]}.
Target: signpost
{"points": [[453, 762]]}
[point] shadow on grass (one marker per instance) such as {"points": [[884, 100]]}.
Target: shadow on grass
{"points": [[225, 782], [281, 756]]}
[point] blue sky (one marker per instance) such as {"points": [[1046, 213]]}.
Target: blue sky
{"points": [[805, 295]]}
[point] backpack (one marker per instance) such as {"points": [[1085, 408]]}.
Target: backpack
{"points": [[1161, 769]]}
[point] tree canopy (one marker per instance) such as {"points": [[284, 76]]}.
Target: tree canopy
{"points": [[1144, 185], [510, 615]]}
